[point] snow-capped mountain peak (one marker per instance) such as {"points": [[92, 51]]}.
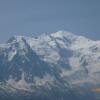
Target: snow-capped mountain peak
{"points": [[62, 34], [60, 59]]}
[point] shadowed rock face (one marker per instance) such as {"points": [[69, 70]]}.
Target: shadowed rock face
{"points": [[58, 66], [25, 60]]}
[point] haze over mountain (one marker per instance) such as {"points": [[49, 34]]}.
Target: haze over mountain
{"points": [[57, 66], [33, 17]]}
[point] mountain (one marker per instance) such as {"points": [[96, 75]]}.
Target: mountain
{"points": [[50, 67]]}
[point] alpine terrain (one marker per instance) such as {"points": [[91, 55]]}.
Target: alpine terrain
{"points": [[58, 66]]}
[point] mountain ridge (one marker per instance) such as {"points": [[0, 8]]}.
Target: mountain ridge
{"points": [[61, 61]]}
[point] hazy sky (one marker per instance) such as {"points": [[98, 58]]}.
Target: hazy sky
{"points": [[29, 17]]}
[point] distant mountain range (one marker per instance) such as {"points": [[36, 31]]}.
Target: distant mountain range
{"points": [[58, 66]]}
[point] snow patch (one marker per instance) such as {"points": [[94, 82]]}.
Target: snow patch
{"points": [[21, 84]]}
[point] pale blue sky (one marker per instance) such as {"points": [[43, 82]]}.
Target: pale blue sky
{"points": [[30, 17]]}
